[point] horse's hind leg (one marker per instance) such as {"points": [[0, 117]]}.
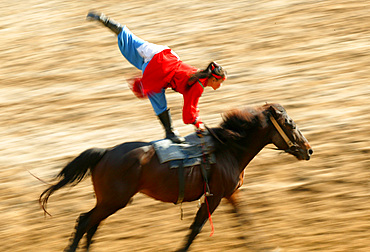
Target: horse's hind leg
{"points": [[113, 191], [81, 225], [89, 235], [89, 222], [100, 213]]}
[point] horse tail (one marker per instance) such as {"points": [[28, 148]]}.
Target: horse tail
{"points": [[74, 172]]}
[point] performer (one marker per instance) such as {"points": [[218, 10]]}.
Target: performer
{"points": [[162, 68]]}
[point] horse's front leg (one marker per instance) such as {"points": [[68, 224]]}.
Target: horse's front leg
{"points": [[243, 216], [254, 242], [201, 218]]}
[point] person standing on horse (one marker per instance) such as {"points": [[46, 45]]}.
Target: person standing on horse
{"points": [[161, 68]]}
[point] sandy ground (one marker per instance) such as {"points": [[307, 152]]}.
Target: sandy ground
{"points": [[63, 89]]}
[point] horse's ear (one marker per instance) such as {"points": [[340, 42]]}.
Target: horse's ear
{"points": [[273, 111]]}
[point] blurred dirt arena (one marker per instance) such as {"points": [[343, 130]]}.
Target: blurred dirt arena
{"points": [[63, 89]]}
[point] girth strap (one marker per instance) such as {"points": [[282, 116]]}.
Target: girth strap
{"points": [[205, 165], [181, 183]]}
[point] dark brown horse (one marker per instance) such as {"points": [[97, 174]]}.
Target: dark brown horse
{"points": [[120, 172]]}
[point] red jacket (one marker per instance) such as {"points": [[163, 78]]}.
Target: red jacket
{"points": [[166, 70]]}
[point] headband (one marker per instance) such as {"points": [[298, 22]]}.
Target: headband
{"points": [[214, 74]]}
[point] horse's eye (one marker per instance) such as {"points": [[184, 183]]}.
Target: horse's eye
{"points": [[290, 123]]}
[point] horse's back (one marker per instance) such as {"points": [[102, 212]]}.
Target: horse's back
{"points": [[128, 146], [119, 154]]}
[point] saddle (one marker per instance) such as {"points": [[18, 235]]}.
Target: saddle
{"points": [[187, 154], [194, 151]]}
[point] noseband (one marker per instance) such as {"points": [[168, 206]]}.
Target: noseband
{"points": [[281, 132]]}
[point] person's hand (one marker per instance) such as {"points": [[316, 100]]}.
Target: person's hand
{"points": [[200, 130], [201, 127]]}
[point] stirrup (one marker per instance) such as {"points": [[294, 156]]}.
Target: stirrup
{"points": [[208, 194], [208, 191]]}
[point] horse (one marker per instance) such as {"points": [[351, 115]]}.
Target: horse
{"points": [[118, 173]]}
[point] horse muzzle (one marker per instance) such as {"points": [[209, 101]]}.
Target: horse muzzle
{"points": [[300, 153]]}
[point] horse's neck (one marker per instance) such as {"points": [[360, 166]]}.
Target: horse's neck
{"points": [[253, 147]]}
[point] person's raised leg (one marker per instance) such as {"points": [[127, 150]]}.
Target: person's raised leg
{"points": [[108, 22], [128, 42]]}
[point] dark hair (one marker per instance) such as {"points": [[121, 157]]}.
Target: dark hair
{"points": [[212, 70]]}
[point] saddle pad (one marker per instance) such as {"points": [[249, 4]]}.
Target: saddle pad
{"points": [[189, 152]]}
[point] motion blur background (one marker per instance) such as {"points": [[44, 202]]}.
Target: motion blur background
{"points": [[63, 89]]}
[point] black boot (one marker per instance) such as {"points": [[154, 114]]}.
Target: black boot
{"points": [[110, 23], [171, 133]]}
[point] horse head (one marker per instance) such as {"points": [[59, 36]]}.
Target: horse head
{"points": [[286, 134]]}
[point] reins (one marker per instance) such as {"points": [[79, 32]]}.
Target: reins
{"points": [[237, 146], [214, 134]]}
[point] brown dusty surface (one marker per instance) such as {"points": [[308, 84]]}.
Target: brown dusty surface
{"points": [[63, 90]]}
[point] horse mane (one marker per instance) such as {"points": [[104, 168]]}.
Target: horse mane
{"points": [[238, 125]]}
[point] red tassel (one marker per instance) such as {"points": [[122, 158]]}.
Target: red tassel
{"points": [[209, 213], [136, 87]]}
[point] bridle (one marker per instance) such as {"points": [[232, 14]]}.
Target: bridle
{"points": [[278, 128], [281, 132]]}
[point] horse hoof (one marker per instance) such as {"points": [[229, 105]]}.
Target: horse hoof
{"points": [[276, 249], [270, 249], [69, 249], [181, 250]]}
